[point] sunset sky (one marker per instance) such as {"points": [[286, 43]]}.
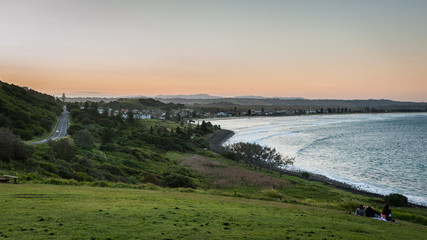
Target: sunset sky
{"points": [[330, 49]]}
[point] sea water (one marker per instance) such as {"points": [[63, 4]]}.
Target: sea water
{"points": [[379, 153]]}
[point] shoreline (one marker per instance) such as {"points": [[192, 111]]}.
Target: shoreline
{"points": [[216, 141]]}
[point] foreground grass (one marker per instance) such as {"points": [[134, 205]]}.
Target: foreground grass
{"points": [[32, 211], [228, 178]]}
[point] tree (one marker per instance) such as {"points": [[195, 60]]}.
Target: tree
{"points": [[11, 146], [130, 118], [63, 149], [83, 138], [258, 156], [107, 135]]}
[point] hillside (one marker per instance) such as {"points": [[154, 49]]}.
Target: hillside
{"points": [[271, 103], [26, 112], [143, 103]]}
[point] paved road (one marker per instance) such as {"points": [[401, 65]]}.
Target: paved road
{"points": [[60, 130]]}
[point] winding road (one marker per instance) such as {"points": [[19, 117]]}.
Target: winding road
{"points": [[60, 130]]}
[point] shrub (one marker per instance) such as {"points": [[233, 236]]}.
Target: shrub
{"points": [[63, 149], [11, 146], [74, 128], [100, 184], [83, 138], [82, 177], [111, 147], [116, 171], [201, 142], [65, 172], [30, 177], [149, 177], [273, 193], [396, 199], [306, 175], [48, 167], [175, 180]]}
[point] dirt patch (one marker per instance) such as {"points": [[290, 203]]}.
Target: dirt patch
{"points": [[40, 195], [225, 175]]}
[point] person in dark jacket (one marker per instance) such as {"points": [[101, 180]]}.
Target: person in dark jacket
{"points": [[386, 213], [370, 212]]}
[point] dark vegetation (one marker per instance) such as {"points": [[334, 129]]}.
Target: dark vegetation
{"points": [[396, 199], [273, 104], [26, 112], [144, 103], [110, 149], [253, 154]]}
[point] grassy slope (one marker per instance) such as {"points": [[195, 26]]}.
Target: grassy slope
{"points": [[228, 178], [31, 211]]}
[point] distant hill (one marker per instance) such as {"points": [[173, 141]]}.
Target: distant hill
{"points": [[26, 112], [261, 97], [302, 103], [142, 104], [193, 96]]}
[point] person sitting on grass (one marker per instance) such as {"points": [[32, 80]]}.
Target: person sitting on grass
{"points": [[386, 213], [360, 211], [370, 212]]}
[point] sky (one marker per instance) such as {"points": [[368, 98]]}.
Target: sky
{"points": [[330, 49]]}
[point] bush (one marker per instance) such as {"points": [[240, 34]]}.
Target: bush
{"points": [[116, 171], [111, 147], [306, 175], [201, 142], [65, 172], [83, 138], [29, 177], [273, 193], [100, 184], [74, 128], [48, 167], [175, 180], [11, 146], [396, 199], [63, 149], [149, 177], [82, 177]]}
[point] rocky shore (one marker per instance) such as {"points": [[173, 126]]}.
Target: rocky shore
{"points": [[217, 140]]}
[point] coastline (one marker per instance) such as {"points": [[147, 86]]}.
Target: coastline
{"points": [[216, 141]]}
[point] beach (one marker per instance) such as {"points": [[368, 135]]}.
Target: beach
{"points": [[219, 138]]}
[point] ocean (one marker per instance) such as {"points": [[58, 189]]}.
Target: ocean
{"points": [[379, 153]]}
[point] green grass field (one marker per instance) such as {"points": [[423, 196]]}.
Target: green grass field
{"points": [[39, 211]]}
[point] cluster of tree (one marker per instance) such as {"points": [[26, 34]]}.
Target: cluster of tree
{"points": [[11, 146], [253, 154], [108, 148], [142, 103], [206, 128], [26, 112]]}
